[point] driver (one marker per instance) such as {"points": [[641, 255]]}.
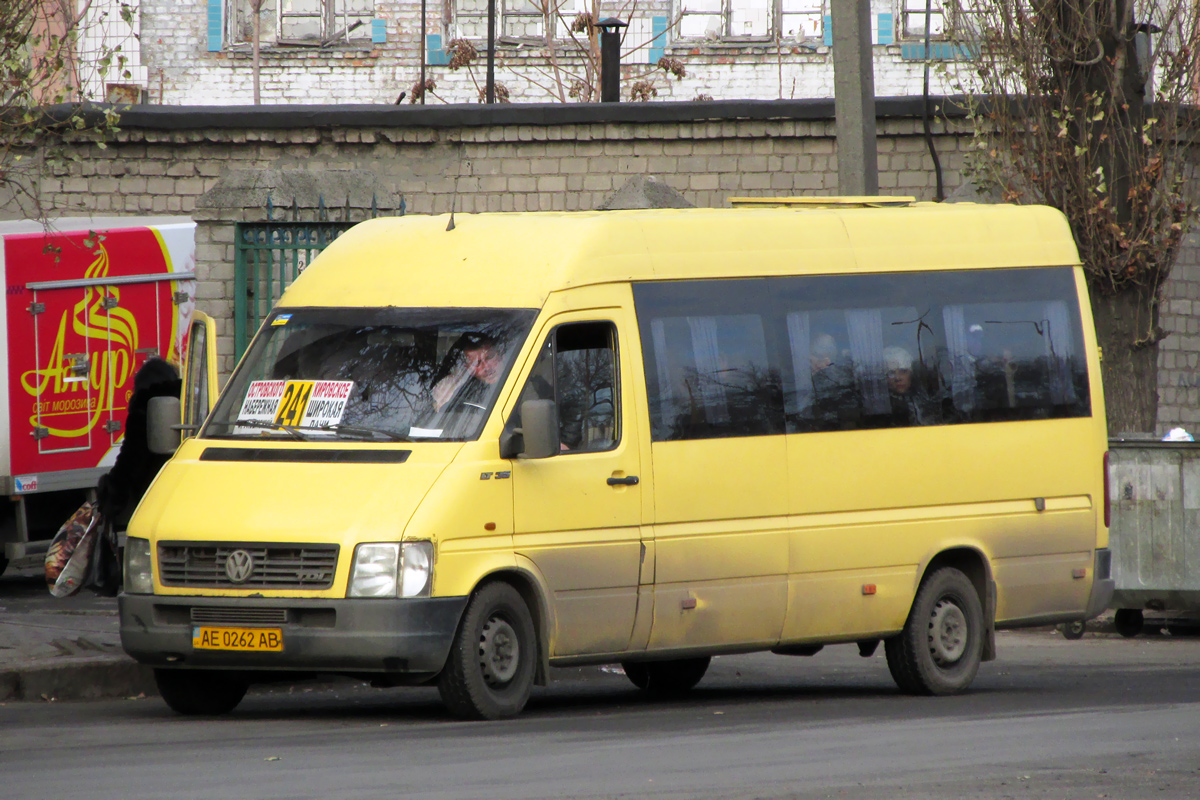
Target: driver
{"points": [[475, 372]]}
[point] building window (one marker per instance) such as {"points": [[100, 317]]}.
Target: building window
{"points": [[959, 20], [515, 19], [913, 19], [751, 19], [967, 23], [302, 22]]}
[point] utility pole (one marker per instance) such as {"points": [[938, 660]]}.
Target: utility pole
{"points": [[491, 55], [423, 46], [854, 98]]}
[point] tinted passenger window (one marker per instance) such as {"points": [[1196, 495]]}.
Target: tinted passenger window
{"points": [[824, 353], [706, 349]]}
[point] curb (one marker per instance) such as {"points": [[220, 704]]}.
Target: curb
{"points": [[80, 679]]}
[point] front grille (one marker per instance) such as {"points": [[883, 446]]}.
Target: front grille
{"points": [[271, 566], [239, 616]]}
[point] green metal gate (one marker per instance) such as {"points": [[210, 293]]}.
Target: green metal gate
{"points": [[269, 255]]}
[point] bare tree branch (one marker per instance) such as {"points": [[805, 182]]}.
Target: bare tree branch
{"points": [[41, 66]]}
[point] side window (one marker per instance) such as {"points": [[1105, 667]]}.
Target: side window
{"points": [[933, 348], [197, 377], [577, 369], [1014, 360], [709, 371], [752, 357]]}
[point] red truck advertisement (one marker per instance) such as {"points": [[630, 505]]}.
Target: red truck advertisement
{"points": [[87, 302]]}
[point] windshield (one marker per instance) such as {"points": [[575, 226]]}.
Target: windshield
{"points": [[395, 374]]}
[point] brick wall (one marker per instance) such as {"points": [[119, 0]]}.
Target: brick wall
{"points": [[1179, 353], [219, 167]]}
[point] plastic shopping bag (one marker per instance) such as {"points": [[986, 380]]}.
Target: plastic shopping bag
{"points": [[71, 551], [104, 569]]}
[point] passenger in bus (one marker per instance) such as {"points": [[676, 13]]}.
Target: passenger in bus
{"points": [[835, 404], [910, 406]]}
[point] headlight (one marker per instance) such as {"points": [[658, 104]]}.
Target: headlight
{"points": [[416, 569], [138, 576], [387, 569], [374, 571]]}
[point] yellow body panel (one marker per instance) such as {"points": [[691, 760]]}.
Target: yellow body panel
{"points": [[584, 535], [729, 544], [519, 259]]}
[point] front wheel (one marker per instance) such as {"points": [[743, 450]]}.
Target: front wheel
{"points": [[489, 673], [939, 650], [200, 692], [666, 678]]}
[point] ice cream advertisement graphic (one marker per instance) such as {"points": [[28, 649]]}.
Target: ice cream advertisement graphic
{"points": [[85, 310]]}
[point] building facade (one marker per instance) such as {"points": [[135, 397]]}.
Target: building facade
{"points": [[200, 52]]}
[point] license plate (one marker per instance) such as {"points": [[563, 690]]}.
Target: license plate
{"points": [[263, 640]]}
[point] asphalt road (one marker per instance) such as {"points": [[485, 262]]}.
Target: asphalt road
{"points": [[1100, 717]]}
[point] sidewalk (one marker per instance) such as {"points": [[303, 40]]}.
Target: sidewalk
{"points": [[62, 649]]}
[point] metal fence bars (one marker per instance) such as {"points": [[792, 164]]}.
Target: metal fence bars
{"points": [[268, 257]]}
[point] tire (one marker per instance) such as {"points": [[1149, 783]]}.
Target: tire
{"points": [[489, 672], [666, 678], [3, 564], [1129, 622], [200, 692], [939, 650], [1073, 630]]}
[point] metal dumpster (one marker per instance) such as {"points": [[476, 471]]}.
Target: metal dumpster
{"points": [[1155, 533]]}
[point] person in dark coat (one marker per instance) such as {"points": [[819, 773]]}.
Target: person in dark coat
{"points": [[122, 487]]}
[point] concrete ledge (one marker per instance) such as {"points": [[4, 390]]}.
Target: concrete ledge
{"points": [[78, 679], [467, 115]]}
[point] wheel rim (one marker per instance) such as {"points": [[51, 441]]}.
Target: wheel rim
{"points": [[947, 632], [499, 651]]}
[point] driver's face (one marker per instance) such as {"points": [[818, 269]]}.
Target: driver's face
{"points": [[484, 363]]}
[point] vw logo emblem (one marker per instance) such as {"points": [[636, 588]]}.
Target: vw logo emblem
{"points": [[238, 566]]}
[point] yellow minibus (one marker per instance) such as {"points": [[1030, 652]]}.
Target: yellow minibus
{"points": [[461, 451]]}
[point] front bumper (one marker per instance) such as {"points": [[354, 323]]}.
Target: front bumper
{"points": [[410, 636]]}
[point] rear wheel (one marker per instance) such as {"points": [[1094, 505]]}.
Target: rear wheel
{"points": [[940, 648], [200, 692], [1073, 630], [489, 673], [666, 678], [1129, 622]]}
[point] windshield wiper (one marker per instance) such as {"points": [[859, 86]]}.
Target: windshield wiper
{"points": [[291, 430], [358, 431]]}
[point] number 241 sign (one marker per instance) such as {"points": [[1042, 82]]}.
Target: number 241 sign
{"points": [[295, 399], [305, 404]]}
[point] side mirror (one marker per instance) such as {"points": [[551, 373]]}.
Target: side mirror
{"points": [[512, 443], [162, 425], [539, 427]]}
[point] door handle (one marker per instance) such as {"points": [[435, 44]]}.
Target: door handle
{"points": [[632, 480]]}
